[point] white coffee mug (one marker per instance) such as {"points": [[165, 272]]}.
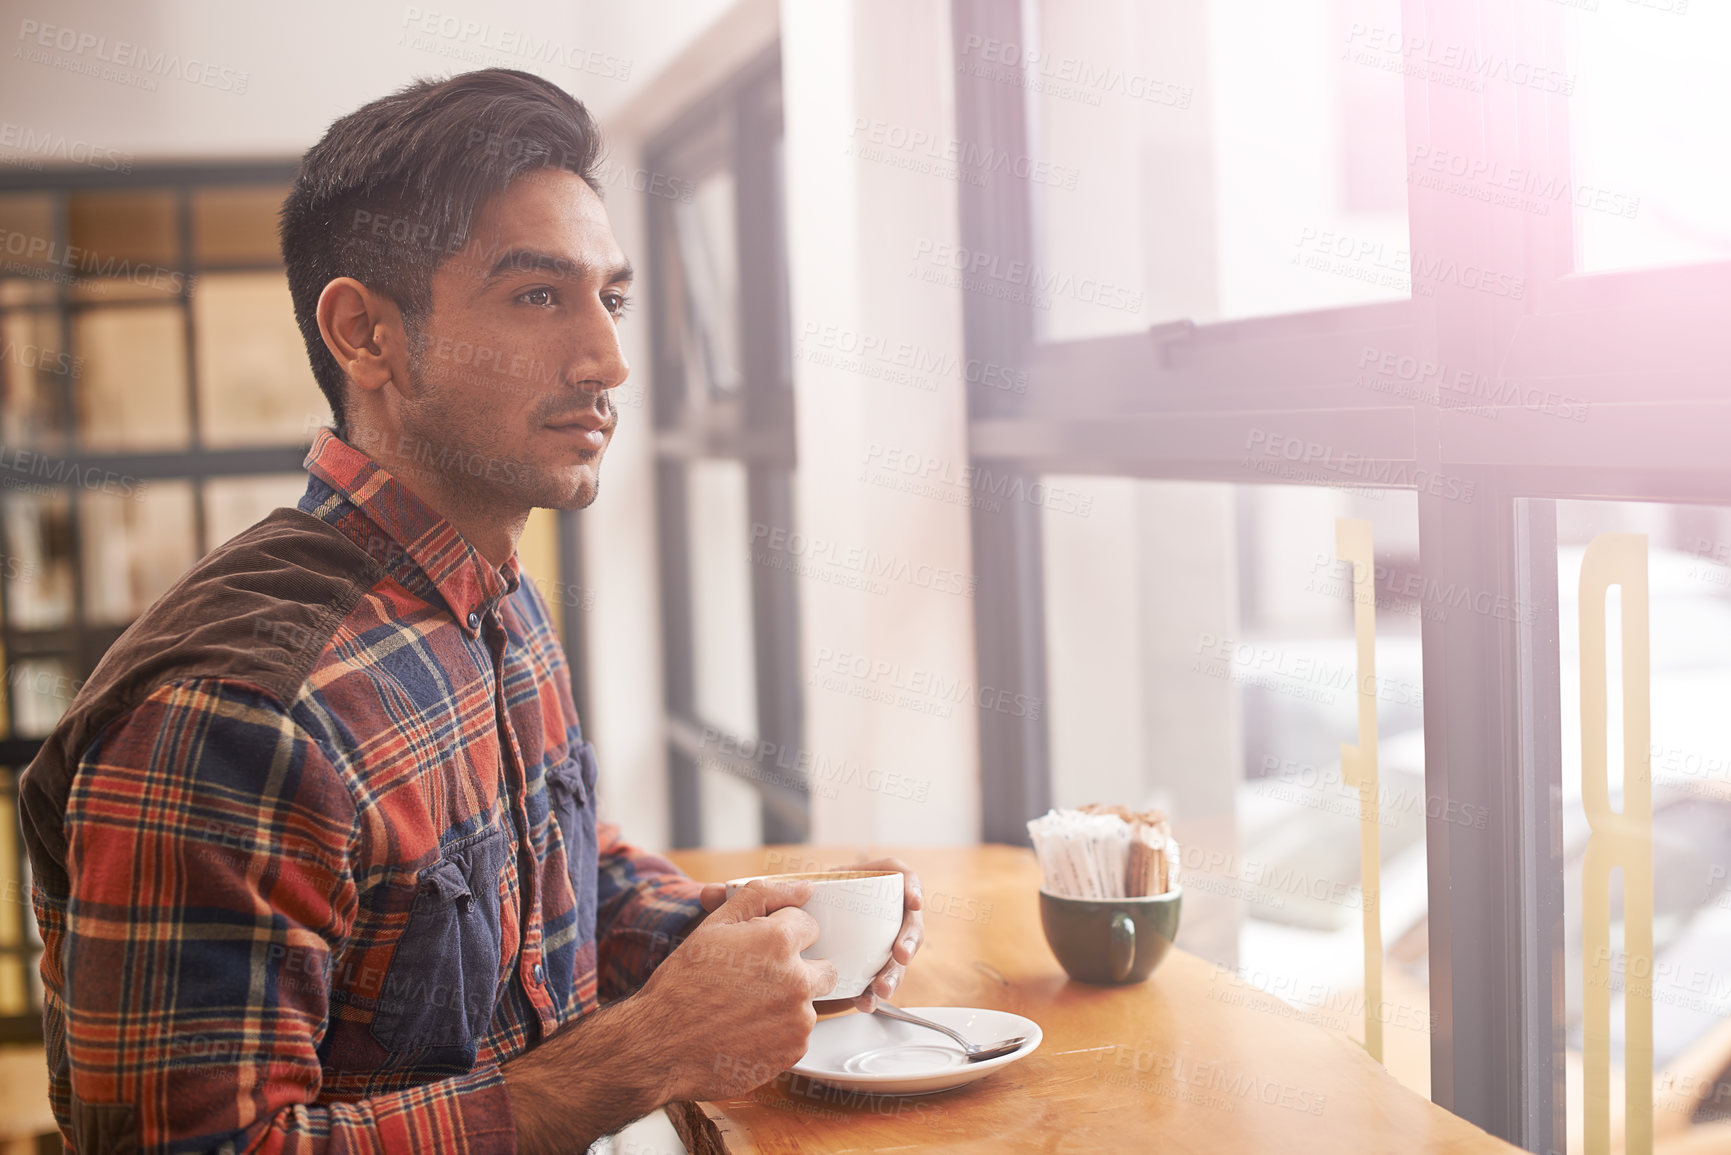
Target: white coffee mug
{"points": [[857, 912]]}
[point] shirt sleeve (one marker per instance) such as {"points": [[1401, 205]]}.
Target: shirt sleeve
{"points": [[646, 908], [209, 857]]}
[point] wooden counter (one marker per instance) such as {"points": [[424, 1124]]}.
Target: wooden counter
{"points": [[1192, 1060]]}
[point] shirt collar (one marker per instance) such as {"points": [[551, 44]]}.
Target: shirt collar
{"points": [[469, 584]]}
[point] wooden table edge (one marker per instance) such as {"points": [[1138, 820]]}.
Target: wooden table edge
{"points": [[706, 1130]]}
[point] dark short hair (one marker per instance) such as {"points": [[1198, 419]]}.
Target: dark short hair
{"points": [[393, 189]]}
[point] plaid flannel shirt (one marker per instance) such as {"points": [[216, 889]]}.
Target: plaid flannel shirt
{"points": [[317, 910]]}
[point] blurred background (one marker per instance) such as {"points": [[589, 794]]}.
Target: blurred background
{"points": [[1002, 372]]}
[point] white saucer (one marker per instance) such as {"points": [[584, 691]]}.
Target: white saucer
{"points": [[886, 1057]]}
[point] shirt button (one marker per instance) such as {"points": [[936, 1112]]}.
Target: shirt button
{"points": [[474, 620], [540, 973]]}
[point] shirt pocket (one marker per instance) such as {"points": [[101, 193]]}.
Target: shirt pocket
{"points": [[443, 978], [571, 797]]}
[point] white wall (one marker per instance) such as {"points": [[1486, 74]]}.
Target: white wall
{"points": [[855, 222], [305, 64]]}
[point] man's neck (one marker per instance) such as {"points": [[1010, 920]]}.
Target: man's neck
{"points": [[491, 528], [493, 538]]}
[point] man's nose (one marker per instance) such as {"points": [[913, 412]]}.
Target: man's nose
{"points": [[601, 354]]}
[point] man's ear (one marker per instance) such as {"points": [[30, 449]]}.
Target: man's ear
{"points": [[364, 332]]}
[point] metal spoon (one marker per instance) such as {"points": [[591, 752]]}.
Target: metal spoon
{"points": [[975, 1052]]}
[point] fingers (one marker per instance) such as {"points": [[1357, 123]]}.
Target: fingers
{"points": [[882, 987], [885, 984], [799, 927], [758, 898], [822, 976], [712, 896], [911, 895], [909, 938]]}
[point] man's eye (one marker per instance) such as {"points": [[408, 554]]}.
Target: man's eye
{"points": [[617, 303], [540, 298]]}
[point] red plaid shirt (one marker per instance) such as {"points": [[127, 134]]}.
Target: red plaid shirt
{"points": [[318, 911]]}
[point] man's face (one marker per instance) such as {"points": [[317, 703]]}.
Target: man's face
{"points": [[511, 369]]}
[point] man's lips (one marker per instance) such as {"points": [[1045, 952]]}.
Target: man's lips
{"points": [[589, 430]]}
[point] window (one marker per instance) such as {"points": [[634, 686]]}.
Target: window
{"points": [[1644, 187], [151, 365], [1508, 312], [1688, 736], [724, 465], [1174, 178], [1201, 660]]}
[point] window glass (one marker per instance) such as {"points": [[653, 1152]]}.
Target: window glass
{"points": [[1192, 160], [25, 291], [125, 226], [232, 504], [723, 666], [704, 231], [131, 392], [41, 689], [124, 245], [538, 559], [679, 345], [15, 969], [147, 283], [1650, 88], [135, 541], [236, 224], [27, 248], [1201, 660], [38, 563], [255, 386], [37, 377], [732, 809], [721, 595], [1688, 561]]}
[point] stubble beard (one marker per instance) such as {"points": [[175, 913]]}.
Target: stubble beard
{"points": [[479, 475]]}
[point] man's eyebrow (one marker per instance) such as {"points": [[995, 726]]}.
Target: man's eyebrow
{"points": [[525, 260]]}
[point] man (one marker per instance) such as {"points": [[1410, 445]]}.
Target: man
{"points": [[315, 850]]}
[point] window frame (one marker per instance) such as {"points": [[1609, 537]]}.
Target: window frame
{"points": [[737, 128]]}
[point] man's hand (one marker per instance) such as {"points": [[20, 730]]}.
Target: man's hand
{"points": [[735, 999], [907, 944], [728, 1010]]}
